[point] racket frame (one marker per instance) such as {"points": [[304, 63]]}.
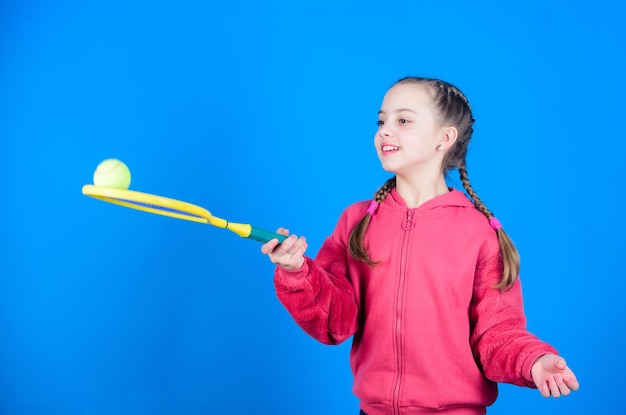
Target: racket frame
{"points": [[174, 208]]}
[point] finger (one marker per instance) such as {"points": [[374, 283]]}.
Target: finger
{"points": [[277, 250], [283, 231], [269, 246], [290, 254], [571, 382], [297, 259], [301, 244], [287, 246], [554, 389], [563, 388]]}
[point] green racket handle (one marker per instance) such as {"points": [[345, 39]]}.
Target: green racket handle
{"points": [[262, 235]]}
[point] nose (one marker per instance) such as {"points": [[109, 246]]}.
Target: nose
{"points": [[385, 130]]}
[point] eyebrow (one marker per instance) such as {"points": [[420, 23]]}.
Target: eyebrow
{"points": [[399, 110]]}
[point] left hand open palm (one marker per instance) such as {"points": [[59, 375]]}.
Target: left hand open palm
{"points": [[553, 377]]}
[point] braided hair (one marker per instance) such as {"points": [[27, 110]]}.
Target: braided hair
{"points": [[455, 110]]}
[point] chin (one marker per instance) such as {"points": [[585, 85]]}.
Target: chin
{"points": [[388, 168]]}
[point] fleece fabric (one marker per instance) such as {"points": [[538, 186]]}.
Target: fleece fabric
{"points": [[429, 332]]}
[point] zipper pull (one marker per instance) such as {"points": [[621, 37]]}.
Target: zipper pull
{"points": [[408, 224]]}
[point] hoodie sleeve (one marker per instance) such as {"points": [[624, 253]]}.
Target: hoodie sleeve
{"points": [[319, 296], [500, 340]]}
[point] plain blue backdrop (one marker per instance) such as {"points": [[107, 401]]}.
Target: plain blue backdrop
{"points": [[264, 112]]}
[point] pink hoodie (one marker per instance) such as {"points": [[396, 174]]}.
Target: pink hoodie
{"points": [[431, 335]]}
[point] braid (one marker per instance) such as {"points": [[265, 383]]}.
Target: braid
{"points": [[385, 189], [510, 255], [470, 191], [454, 110], [457, 93], [356, 242]]}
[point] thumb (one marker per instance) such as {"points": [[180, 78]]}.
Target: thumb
{"points": [[559, 363]]}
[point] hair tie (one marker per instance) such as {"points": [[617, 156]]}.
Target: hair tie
{"points": [[372, 207], [495, 223]]}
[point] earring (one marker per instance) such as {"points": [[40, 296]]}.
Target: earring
{"points": [[438, 146]]}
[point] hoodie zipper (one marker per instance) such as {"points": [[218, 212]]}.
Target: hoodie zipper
{"points": [[406, 225]]}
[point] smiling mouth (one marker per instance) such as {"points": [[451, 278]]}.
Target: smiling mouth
{"points": [[388, 148]]}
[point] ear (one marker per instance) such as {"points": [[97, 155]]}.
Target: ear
{"points": [[448, 138]]}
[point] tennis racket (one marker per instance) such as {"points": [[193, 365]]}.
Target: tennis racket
{"points": [[176, 209]]}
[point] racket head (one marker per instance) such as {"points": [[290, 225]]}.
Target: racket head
{"points": [[153, 204]]}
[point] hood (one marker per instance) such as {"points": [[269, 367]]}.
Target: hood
{"points": [[454, 198]]}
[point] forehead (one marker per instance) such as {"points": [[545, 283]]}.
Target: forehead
{"points": [[408, 95]]}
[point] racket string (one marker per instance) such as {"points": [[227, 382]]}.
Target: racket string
{"points": [[156, 207]]}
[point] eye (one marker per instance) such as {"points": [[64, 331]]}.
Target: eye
{"points": [[403, 121], [380, 122]]}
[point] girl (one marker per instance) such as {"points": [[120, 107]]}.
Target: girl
{"points": [[424, 278]]}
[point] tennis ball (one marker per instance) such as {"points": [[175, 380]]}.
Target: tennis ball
{"points": [[112, 173]]}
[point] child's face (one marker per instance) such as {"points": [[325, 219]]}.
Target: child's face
{"points": [[408, 130]]}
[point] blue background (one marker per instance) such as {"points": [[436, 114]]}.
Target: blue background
{"points": [[264, 112]]}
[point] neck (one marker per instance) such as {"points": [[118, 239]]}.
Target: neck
{"points": [[417, 190]]}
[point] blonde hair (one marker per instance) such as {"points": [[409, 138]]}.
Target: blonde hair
{"points": [[454, 110]]}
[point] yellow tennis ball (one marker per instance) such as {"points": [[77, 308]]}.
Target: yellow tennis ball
{"points": [[112, 173]]}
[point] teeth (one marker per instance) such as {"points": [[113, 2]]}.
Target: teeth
{"points": [[390, 148]]}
